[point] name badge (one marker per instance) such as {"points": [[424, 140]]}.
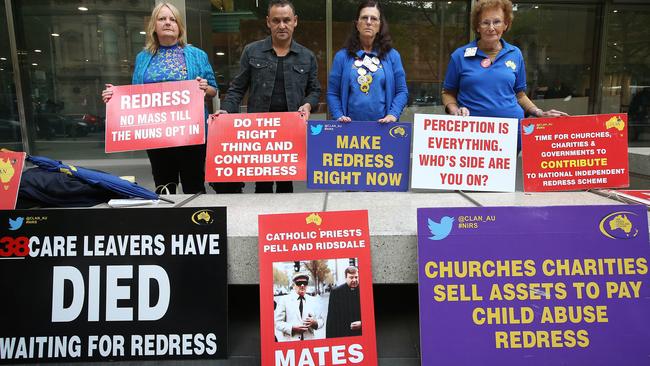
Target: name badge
{"points": [[470, 51]]}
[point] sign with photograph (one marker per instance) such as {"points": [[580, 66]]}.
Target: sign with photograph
{"points": [[363, 156], [570, 153], [152, 116], [534, 285], [464, 153], [316, 302], [11, 169], [256, 147], [113, 284]]}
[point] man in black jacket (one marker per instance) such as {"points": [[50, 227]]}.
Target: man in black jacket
{"points": [[279, 74]]}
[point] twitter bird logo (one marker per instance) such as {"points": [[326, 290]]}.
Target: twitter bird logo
{"points": [[316, 130], [529, 129], [440, 230], [16, 224]]}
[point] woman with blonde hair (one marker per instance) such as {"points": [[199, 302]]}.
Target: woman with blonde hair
{"points": [[168, 57]]}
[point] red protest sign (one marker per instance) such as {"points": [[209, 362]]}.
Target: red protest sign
{"points": [[11, 169], [256, 147], [316, 299], [637, 195], [569, 153], [152, 116]]}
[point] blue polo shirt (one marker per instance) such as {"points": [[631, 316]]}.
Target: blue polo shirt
{"points": [[487, 91]]}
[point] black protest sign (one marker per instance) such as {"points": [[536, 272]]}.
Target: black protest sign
{"points": [[113, 284]]}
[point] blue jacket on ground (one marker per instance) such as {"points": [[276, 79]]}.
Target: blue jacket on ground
{"points": [[338, 88]]}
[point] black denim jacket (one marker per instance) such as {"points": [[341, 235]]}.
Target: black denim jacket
{"points": [[257, 75]]}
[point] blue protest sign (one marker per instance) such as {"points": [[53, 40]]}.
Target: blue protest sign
{"points": [[364, 156]]}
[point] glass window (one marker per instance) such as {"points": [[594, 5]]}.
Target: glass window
{"points": [[238, 23], [10, 134], [425, 33], [69, 54], [557, 42], [626, 75], [110, 44], [136, 36]]}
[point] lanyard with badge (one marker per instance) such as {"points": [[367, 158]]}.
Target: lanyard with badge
{"points": [[366, 67], [471, 52]]}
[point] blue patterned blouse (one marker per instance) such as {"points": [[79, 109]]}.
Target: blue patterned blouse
{"points": [[193, 63], [168, 64]]}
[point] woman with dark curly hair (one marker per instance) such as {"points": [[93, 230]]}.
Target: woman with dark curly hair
{"points": [[487, 77], [367, 81]]}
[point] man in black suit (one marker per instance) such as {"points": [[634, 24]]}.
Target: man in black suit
{"points": [[344, 309]]}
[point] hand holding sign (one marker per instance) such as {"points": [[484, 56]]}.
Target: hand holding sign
{"points": [[158, 115], [207, 89], [551, 113], [388, 119], [107, 93], [305, 111]]}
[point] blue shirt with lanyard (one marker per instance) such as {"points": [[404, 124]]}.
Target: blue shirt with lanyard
{"points": [[367, 101], [487, 88]]}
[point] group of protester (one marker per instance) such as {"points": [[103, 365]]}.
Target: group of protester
{"points": [[367, 82]]}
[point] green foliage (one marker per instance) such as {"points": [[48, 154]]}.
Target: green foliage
{"points": [[319, 272], [280, 278]]}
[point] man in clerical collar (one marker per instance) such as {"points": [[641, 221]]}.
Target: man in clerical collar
{"points": [[298, 316], [344, 309]]}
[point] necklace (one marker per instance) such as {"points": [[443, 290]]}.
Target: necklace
{"points": [[366, 67]]}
